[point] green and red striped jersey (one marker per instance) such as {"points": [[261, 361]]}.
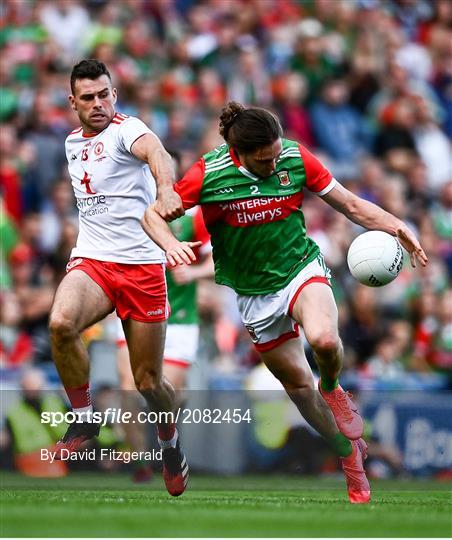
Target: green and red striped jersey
{"points": [[257, 227]]}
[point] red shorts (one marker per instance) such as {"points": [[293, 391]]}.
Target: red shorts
{"points": [[137, 291]]}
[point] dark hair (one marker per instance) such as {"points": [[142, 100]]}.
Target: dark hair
{"points": [[88, 69], [246, 130]]}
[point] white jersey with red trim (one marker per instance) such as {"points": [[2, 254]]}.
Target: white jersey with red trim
{"points": [[112, 188]]}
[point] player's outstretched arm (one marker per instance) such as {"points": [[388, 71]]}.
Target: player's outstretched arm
{"points": [[149, 148], [373, 217], [157, 229]]}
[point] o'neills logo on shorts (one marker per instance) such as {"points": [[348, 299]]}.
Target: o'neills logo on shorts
{"points": [[73, 263], [155, 312], [252, 333]]}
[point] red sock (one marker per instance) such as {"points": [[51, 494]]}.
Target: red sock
{"points": [[166, 431], [79, 397]]}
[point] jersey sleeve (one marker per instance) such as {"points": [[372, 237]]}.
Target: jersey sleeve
{"points": [[319, 180], [200, 232], [190, 185], [130, 130]]}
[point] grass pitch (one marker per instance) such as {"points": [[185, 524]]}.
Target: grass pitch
{"points": [[110, 505]]}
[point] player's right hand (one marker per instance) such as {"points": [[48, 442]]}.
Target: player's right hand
{"points": [[181, 253], [169, 204], [411, 244]]}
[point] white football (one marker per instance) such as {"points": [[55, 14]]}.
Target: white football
{"points": [[375, 258]]}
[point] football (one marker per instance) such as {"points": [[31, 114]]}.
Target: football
{"points": [[375, 258]]}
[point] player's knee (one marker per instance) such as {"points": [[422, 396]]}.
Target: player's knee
{"points": [[147, 381], [326, 344], [61, 328], [303, 388]]}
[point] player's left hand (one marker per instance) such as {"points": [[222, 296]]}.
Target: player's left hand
{"points": [[181, 253], [409, 241], [169, 204]]}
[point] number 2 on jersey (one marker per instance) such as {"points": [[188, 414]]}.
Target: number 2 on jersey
{"points": [[255, 190], [85, 181]]}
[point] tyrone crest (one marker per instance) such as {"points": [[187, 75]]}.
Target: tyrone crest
{"points": [[99, 148], [284, 178]]}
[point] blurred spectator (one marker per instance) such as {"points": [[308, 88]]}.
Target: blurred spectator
{"points": [[433, 147], [9, 173], [398, 85], [395, 141], [410, 56], [433, 337], [385, 363], [366, 66], [419, 195], [33, 281], [141, 48], [27, 435], [42, 130], [212, 93], [372, 178], [441, 215], [309, 58], [179, 135], [410, 14], [62, 253], [66, 21], [363, 329], [250, 83], [59, 209], [224, 58], [8, 235], [290, 94], [106, 30], [16, 347], [339, 129], [202, 40]]}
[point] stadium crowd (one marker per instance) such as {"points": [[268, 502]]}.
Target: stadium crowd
{"points": [[364, 84]]}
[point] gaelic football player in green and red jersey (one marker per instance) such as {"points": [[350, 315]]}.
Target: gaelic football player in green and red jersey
{"points": [[251, 193]]}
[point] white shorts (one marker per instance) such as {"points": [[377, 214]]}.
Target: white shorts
{"points": [[181, 344], [268, 317]]}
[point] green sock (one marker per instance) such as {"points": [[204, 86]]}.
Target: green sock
{"points": [[328, 383], [341, 445]]}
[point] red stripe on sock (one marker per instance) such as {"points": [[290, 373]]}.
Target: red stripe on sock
{"points": [[79, 397], [166, 431]]}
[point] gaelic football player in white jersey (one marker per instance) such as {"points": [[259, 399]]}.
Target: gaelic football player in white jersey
{"points": [[116, 165]]}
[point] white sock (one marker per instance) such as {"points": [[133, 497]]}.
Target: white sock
{"points": [[84, 414], [170, 443]]}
